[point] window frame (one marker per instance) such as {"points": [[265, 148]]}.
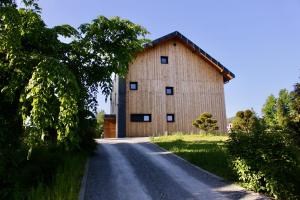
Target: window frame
{"points": [[173, 117], [172, 90], [166, 58], [131, 83]]}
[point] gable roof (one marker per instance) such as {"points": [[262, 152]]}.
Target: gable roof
{"points": [[227, 75]]}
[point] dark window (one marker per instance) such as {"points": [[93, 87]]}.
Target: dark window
{"points": [[140, 117], [170, 118], [133, 85], [169, 91], [164, 60]]}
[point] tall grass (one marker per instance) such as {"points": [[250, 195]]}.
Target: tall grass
{"points": [[66, 184], [204, 150]]}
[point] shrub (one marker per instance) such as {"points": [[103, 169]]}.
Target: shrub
{"points": [[244, 121], [87, 131], [206, 123], [100, 123], [265, 161]]}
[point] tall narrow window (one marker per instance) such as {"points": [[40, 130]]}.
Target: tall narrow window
{"points": [[140, 118], [169, 90], [133, 85], [170, 118], [164, 60]]}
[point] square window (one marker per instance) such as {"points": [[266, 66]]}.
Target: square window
{"points": [[169, 91], [146, 118], [170, 118], [164, 60], [133, 85]]}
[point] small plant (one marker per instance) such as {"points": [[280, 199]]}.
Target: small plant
{"points": [[206, 123]]}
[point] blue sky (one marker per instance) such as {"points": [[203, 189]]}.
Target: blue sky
{"points": [[258, 40]]}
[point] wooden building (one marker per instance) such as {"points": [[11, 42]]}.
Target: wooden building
{"points": [[169, 84]]}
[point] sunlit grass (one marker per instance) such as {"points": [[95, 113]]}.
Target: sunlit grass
{"points": [[204, 150]]}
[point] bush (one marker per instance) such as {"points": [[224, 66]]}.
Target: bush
{"points": [[244, 121], [87, 131], [206, 123], [100, 124], [265, 161]]}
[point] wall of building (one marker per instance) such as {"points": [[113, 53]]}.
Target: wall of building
{"points": [[198, 88]]}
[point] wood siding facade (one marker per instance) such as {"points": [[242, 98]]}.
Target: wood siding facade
{"points": [[198, 87]]}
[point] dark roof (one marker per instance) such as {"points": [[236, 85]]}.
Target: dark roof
{"points": [[227, 75]]}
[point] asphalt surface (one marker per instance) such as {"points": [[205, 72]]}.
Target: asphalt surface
{"points": [[134, 169]]}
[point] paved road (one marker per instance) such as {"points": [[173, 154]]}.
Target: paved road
{"points": [[134, 169]]}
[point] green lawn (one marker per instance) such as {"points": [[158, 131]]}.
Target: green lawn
{"points": [[205, 151], [67, 181]]}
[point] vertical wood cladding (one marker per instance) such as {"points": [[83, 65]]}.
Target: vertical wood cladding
{"points": [[198, 88]]}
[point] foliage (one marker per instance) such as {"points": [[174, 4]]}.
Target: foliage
{"points": [[87, 130], [269, 110], [294, 124], [264, 160], [206, 123], [52, 81], [100, 123], [52, 93], [282, 113], [244, 121], [283, 108], [265, 152], [48, 87]]}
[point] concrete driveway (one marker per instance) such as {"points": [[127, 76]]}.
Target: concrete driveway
{"points": [[134, 169]]}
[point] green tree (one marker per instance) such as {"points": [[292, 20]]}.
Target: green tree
{"points": [[51, 83], [295, 105], [277, 112], [245, 121], [283, 113], [48, 87], [283, 108], [100, 123], [269, 110], [206, 122]]}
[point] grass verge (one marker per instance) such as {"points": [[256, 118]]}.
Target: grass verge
{"points": [[204, 150], [66, 183]]}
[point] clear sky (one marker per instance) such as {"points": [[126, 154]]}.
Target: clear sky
{"points": [[258, 40]]}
